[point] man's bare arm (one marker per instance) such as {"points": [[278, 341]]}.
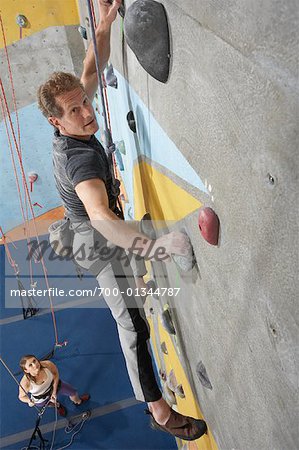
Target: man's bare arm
{"points": [[89, 77], [93, 195]]}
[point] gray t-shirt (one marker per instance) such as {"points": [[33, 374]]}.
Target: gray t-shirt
{"points": [[77, 160]]}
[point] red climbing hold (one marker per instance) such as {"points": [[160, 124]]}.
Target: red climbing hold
{"points": [[32, 179], [208, 223]]}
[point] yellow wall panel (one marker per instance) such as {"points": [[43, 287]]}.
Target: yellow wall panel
{"points": [[41, 14], [154, 192], [187, 405]]}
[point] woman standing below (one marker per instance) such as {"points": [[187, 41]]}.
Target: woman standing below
{"points": [[41, 381]]}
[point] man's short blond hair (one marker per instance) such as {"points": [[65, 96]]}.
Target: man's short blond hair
{"points": [[57, 84]]}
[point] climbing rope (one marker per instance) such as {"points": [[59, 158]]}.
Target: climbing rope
{"points": [[31, 309], [40, 411], [54, 428], [11, 81], [110, 146], [10, 259], [70, 428], [19, 384], [108, 137], [6, 113], [25, 215]]}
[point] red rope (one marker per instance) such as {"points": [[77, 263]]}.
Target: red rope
{"points": [[31, 209], [109, 124], [105, 97], [18, 151], [8, 254], [25, 216], [11, 81]]}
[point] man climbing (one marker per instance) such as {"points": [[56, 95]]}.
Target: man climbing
{"points": [[83, 179]]}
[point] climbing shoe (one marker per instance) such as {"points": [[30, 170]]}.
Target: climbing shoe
{"points": [[84, 398], [61, 410], [182, 427]]}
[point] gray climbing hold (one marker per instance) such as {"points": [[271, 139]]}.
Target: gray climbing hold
{"points": [[164, 348], [131, 121], [147, 34], [179, 391], [22, 21], [146, 226], [111, 78], [121, 147], [203, 376], [185, 263], [119, 160], [168, 395], [167, 321], [174, 386], [152, 288], [83, 32], [163, 374]]}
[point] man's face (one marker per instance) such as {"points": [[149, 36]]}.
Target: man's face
{"points": [[78, 119]]}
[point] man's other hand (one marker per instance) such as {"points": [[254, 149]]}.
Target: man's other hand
{"points": [[176, 243], [108, 11]]}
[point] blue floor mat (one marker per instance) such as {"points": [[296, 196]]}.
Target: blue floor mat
{"points": [[127, 429], [92, 361]]}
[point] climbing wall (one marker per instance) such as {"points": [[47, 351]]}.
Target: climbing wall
{"points": [[50, 41], [229, 112], [220, 133]]}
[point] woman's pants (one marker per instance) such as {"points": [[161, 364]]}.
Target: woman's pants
{"points": [[63, 389]]}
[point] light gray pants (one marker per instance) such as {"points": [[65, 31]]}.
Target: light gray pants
{"points": [[115, 276]]}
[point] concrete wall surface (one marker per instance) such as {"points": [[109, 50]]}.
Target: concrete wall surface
{"points": [[231, 107], [36, 57]]}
